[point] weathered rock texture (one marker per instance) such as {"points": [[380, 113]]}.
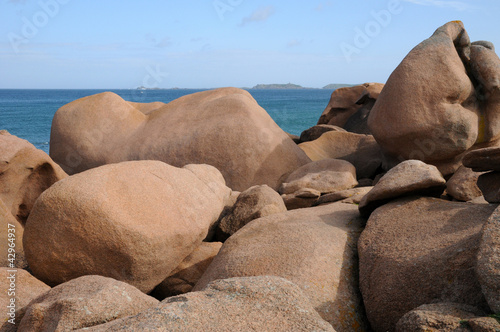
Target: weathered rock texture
{"points": [[489, 184], [417, 251], [446, 317], [411, 177], [488, 261], [238, 304], [325, 176], [187, 274], [25, 172], [225, 128], [360, 150], [134, 222], [315, 132], [441, 101], [84, 302], [253, 203], [349, 107], [463, 185], [314, 248], [483, 160]]}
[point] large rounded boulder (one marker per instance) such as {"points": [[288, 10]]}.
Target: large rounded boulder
{"points": [[416, 251], [225, 128], [439, 102], [134, 222], [315, 248]]}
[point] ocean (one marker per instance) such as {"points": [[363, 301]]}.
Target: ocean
{"points": [[28, 113]]}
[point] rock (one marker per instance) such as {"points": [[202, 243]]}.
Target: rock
{"points": [[415, 251], [352, 196], [315, 248], [294, 138], [133, 221], [360, 150], [430, 109], [325, 176], [294, 202], [315, 132], [478, 200], [253, 203], [485, 68], [488, 261], [22, 287], [438, 317], [187, 274], [251, 304], [483, 160], [484, 324], [489, 184], [349, 107], [25, 172], [411, 177], [463, 185], [84, 302], [225, 128]]}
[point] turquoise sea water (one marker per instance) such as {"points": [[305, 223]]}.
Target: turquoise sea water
{"points": [[28, 113]]}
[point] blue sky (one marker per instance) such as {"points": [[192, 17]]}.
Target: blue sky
{"points": [[114, 44]]}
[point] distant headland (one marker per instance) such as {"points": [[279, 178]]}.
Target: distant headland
{"points": [[289, 86]]}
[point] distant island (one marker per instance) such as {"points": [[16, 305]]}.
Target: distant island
{"points": [[289, 86], [296, 86], [337, 86], [278, 86]]}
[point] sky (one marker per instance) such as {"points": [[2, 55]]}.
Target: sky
{"points": [[122, 44]]}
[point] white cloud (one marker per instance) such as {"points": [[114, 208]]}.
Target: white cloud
{"points": [[260, 15], [457, 5]]}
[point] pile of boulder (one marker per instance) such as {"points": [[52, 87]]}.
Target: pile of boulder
{"points": [[203, 215]]}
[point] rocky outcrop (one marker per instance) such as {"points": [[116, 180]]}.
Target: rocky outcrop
{"points": [[352, 196], [349, 107], [325, 176], [133, 221], [25, 172], [462, 186], [438, 317], [315, 248], [360, 150], [252, 304], [488, 261], [187, 274], [19, 288], [253, 203], [435, 112], [489, 184], [84, 302], [417, 251], [483, 160], [411, 177], [315, 132], [225, 128]]}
